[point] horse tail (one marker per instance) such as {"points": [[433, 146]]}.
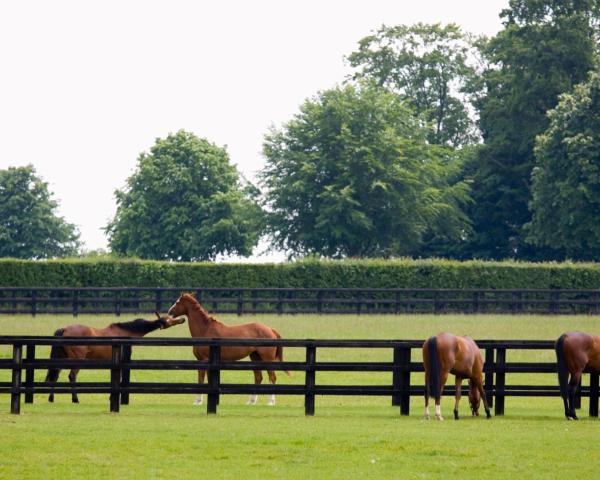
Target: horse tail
{"points": [[561, 365], [57, 351], [433, 369], [279, 352]]}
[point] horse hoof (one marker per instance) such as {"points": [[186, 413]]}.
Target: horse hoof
{"points": [[439, 417], [426, 417]]}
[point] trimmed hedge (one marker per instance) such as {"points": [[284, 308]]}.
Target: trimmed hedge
{"points": [[401, 273]]}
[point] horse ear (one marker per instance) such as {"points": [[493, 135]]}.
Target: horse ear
{"points": [[157, 315]]}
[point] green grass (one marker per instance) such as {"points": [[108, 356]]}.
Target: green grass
{"points": [[162, 436]]}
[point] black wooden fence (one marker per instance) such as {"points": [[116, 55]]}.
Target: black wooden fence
{"points": [[300, 300], [404, 362]]}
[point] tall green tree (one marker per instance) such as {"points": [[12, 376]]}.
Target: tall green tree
{"points": [[352, 175], [566, 178], [185, 201], [29, 225], [545, 48], [433, 67]]}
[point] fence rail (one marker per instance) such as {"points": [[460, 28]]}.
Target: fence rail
{"points": [[14, 300], [400, 389]]}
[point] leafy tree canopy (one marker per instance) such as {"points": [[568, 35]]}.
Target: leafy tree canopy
{"points": [[29, 225], [433, 67], [566, 179], [353, 175], [185, 201], [545, 49]]}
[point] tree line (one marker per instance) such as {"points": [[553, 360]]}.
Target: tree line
{"points": [[439, 143]]}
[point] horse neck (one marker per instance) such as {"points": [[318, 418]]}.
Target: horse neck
{"points": [[198, 320]]}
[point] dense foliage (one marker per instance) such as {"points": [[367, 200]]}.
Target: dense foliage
{"points": [[431, 66], [29, 224], [352, 175], [566, 179], [400, 273], [545, 48], [185, 202]]}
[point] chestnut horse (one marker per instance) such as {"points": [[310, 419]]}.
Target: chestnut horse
{"points": [[576, 352], [202, 325], [446, 353], [135, 328]]}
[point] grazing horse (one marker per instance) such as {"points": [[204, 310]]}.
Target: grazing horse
{"points": [[202, 325], [135, 328], [576, 352], [446, 353]]}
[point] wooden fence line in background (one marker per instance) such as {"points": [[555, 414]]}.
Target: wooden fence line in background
{"points": [[400, 389], [243, 301]]}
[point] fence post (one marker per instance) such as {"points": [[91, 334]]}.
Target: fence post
{"points": [[489, 375], [158, 300], [594, 394], [29, 374], [118, 303], [75, 303], [554, 306], [214, 378], [15, 391], [279, 302], [254, 303], [115, 378], [309, 382], [319, 301], [475, 302], [401, 379], [126, 375], [240, 303], [500, 380], [33, 303]]}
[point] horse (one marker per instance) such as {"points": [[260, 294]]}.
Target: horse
{"points": [[203, 325], [446, 353], [135, 328], [576, 352]]}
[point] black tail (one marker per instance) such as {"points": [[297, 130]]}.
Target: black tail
{"points": [[56, 352], [433, 385], [561, 364]]}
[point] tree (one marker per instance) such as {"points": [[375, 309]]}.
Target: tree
{"points": [[432, 66], [545, 48], [185, 202], [29, 225], [566, 178], [352, 175]]}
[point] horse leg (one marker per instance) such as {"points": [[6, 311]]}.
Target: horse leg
{"points": [[573, 384], [73, 379], [258, 378], [457, 394], [200, 397], [486, 405], [438, 396], [426, 414], [272, 381]]}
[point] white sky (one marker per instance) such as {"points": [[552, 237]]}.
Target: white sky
{"points": [[86, 86]]}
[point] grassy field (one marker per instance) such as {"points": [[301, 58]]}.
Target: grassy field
{"points": [[167, 437]]}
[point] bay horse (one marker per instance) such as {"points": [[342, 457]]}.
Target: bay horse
{"points": [[135, 328], [446, 353], [576, 352], [203, 325]]}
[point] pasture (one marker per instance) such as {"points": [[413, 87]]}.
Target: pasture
{"points": [[161, 436]]}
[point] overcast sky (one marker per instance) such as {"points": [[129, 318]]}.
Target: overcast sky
{"points": [[86, 86]]}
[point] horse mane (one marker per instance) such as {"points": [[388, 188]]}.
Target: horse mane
{"points": [[196, 305], [139, 325]]}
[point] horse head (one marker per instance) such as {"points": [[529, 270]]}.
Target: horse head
{"points": [[168, 321]]}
